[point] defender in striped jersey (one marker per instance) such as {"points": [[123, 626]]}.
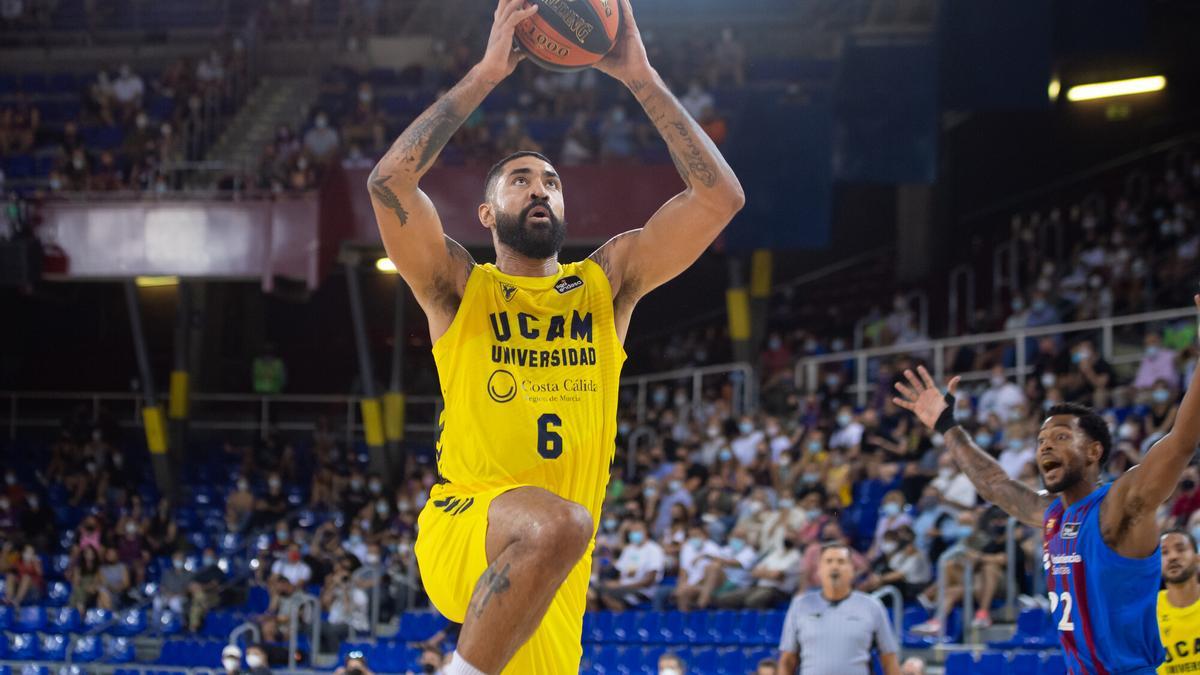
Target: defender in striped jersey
{"points": [[1100, 542]]}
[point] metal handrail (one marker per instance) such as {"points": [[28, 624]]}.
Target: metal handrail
{"points": [[1010, 571], [314, 605], [743, 401], [892, 592], [246, 627], [939, 346], [373, 574], [944, 560]]}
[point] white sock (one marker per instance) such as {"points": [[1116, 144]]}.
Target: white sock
{"points": [[459, 666]]}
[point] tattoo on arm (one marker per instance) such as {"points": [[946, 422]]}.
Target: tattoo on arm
{"points": [[1015, 498], [421, 143], [460, 255], [687, 152], [385, 196], [493, 582]]}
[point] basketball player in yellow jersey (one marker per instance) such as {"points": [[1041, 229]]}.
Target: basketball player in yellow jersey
{"points": [[1179, 604], [529, 355]]}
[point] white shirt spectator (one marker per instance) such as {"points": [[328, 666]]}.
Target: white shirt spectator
{"points": [[211, 69], [696, 100], [128, 87], [746, 446], [694, 561], [640, 562], [955, 487], [782, 560], [350, 608], [746, 556], [848, 436], [297, 573], [915, 567], [321, 140], [1005, 399], [1015, 456]]}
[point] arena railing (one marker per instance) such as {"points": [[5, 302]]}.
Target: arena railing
{"points": [[806, 374], [893, 593], [741, 375], [225, 412]]}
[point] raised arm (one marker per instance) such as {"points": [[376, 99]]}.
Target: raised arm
{"points": [[675, 236], [435, 266], [1136, 495], [922, 397]]}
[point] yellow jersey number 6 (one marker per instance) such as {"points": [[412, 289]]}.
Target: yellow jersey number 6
{"points": [[550, 443]]}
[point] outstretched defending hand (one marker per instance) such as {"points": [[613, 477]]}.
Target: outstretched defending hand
{"points": [[923, 398], [627, 59], [502, 56]]}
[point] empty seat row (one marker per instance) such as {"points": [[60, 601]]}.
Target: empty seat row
{"points": [[51, 647], [999, 663], [607, 659], [720, 627]]}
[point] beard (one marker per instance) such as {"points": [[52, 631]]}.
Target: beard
{"points": [[1185, 574], [528, 240], [1070, 476]]}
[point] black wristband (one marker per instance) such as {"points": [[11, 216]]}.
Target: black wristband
{"points": [[945, 421]]}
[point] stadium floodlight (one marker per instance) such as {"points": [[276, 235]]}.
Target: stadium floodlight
{"points": [[1137, 85], [155, 282], [385, 265]]}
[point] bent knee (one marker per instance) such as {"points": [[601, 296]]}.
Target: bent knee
{"points": [[562, 530]]}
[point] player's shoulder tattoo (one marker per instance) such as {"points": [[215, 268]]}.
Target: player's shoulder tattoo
{"points": [[446, 290]]}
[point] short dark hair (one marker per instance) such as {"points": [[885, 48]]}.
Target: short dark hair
{"points": [[1092, 424], [494, 173], [1179, 531]]}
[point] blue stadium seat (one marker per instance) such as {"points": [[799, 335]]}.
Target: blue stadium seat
{"points": [[745, 628], [770, 626], [959, 663], [1024, 663], [991, 663], [602, 626], [646, 627], [52, 648], [729, 662], [119, 650], [62, 620], [695, 628], [22, 646], [29, 619], [670, 628], [606, 659], [96, 617], [86, 649], [720, 626], [58, 593], [623, 628], [1053, 665], [130, 622], [230, 542], [168, 623], [6, 616], [34, 669]]}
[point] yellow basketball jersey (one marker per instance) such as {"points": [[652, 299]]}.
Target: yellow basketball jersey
{"points": [[1179, 628], [529, 370]]}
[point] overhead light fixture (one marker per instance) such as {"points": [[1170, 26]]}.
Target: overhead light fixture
{"points": [[385, 265], [1137, 85], [155, 282]]}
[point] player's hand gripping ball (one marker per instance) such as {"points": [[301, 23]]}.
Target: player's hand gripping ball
{"points": [[569, 35]]}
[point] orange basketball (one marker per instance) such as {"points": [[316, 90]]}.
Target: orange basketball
{"points": [[570, 34]]}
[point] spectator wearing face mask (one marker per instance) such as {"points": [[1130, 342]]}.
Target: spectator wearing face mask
{"points": [[892, 515], [640, 568], [849, 433], [901, 564], [775, 577], [1018, 451], [676, 493], [695, 557], [1002, 398], [173, 586], [256, 660], [346, 604], [231, 660], [1158, 365], [321, 141], [1160, 417], [745, 444], [239, 506], [204, 589], [1090, 376]]}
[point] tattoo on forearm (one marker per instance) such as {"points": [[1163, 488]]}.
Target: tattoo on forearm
{"points": [[687, 152], [491, 584], [424, 140], [993, 484], [385, 196]]}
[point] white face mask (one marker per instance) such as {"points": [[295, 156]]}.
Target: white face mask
{"points": [[255, 660], [231, 664]]}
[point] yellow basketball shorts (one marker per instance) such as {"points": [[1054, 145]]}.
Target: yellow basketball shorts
{"points": [[451, 554]]}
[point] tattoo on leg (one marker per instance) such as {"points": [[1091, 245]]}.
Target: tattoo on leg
{"points": [[495, 583], [386, 197]]}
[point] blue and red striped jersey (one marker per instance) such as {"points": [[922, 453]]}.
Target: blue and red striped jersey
{"points": [[1103, 603]]}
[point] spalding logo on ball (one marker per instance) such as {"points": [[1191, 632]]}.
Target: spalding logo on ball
{"points": [[570, 34]]}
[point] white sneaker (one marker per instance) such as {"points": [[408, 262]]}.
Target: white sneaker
{"points": [[930, 627]]}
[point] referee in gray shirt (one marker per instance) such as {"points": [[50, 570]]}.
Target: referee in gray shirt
{"points": [[832, 631]]}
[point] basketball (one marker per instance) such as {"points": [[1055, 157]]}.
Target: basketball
{"points": [[570, 34]]}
